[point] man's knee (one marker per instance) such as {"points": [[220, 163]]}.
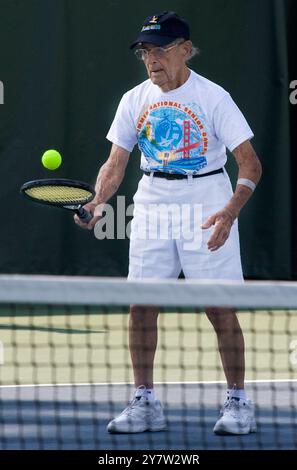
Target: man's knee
{"points": [[222, 318], [143, 314]]}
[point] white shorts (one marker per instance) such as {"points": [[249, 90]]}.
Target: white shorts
{"points": [[166, 236]]}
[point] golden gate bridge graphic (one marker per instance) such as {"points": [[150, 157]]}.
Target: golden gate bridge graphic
{"points": [[172, 155]]}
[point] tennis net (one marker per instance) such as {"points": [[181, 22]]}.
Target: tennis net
{"points": [[65, 367]]}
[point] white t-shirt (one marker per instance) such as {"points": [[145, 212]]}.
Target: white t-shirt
{"points": [[185, 130]]}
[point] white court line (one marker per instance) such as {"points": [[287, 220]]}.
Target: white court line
{"points": [[211, 382]]}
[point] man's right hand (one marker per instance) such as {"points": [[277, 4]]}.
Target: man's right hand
{"points": [[96, 211], [110, 176]]}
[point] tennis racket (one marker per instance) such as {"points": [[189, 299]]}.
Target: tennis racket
{"points": [[64, 193]]}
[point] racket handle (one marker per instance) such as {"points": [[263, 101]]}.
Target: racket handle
{"points": [[84, 215]]}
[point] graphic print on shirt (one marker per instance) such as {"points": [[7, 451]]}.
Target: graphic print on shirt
{"points": [[172, 137]]}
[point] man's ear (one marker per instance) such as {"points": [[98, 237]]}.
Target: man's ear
{"points": [[187, 47]]}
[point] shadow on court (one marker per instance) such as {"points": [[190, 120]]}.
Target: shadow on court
{"points": [[32, 328]]}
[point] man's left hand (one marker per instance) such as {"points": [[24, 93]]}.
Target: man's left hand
{"points": [[222, 221]]}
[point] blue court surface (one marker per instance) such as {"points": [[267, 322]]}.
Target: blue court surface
{"points": [[75, 417]]}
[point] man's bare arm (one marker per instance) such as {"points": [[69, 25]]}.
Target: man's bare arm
{"points": [[109, 178], [249, 168]]}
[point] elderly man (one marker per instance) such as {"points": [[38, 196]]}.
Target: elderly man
{"points": [[182, 123]]}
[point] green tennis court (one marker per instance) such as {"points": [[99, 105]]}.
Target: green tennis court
{"points": [[39, 348]]}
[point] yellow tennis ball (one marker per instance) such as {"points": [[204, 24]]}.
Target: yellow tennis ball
{"points": [[51, 159]]}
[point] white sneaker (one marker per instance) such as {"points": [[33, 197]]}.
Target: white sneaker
{"points": [[139, 416], [237, 417]]}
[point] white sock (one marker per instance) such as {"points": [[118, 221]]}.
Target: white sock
{"points": [[142, 391], [236, 393]]}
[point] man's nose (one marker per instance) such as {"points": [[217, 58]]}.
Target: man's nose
{"points": [[151, 60]]}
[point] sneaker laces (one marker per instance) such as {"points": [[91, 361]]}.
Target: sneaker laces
{"points": [[133, 407], [231, 406]]}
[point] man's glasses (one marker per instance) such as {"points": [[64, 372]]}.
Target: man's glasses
{"points": [[157, 52]]}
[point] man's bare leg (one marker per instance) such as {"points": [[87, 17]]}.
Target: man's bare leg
{"points": [[231, 344], [143, 337]]}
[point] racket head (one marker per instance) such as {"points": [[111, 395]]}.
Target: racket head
{"points": [[64, 193]]}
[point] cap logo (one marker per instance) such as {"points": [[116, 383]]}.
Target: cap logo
{"points": [[151, 26], [154, 19]]}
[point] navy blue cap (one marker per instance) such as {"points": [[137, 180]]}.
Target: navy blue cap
{"points": [[162, 28]]}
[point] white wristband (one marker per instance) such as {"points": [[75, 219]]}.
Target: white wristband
{"points": [[250, 184]]}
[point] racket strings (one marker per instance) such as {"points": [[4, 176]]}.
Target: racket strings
{"points": [[59, 194]]}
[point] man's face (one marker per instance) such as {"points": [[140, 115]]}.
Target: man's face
{"points": [[165, 64]]}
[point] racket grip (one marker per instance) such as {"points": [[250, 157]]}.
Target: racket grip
{"points": [[84, 215]]}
